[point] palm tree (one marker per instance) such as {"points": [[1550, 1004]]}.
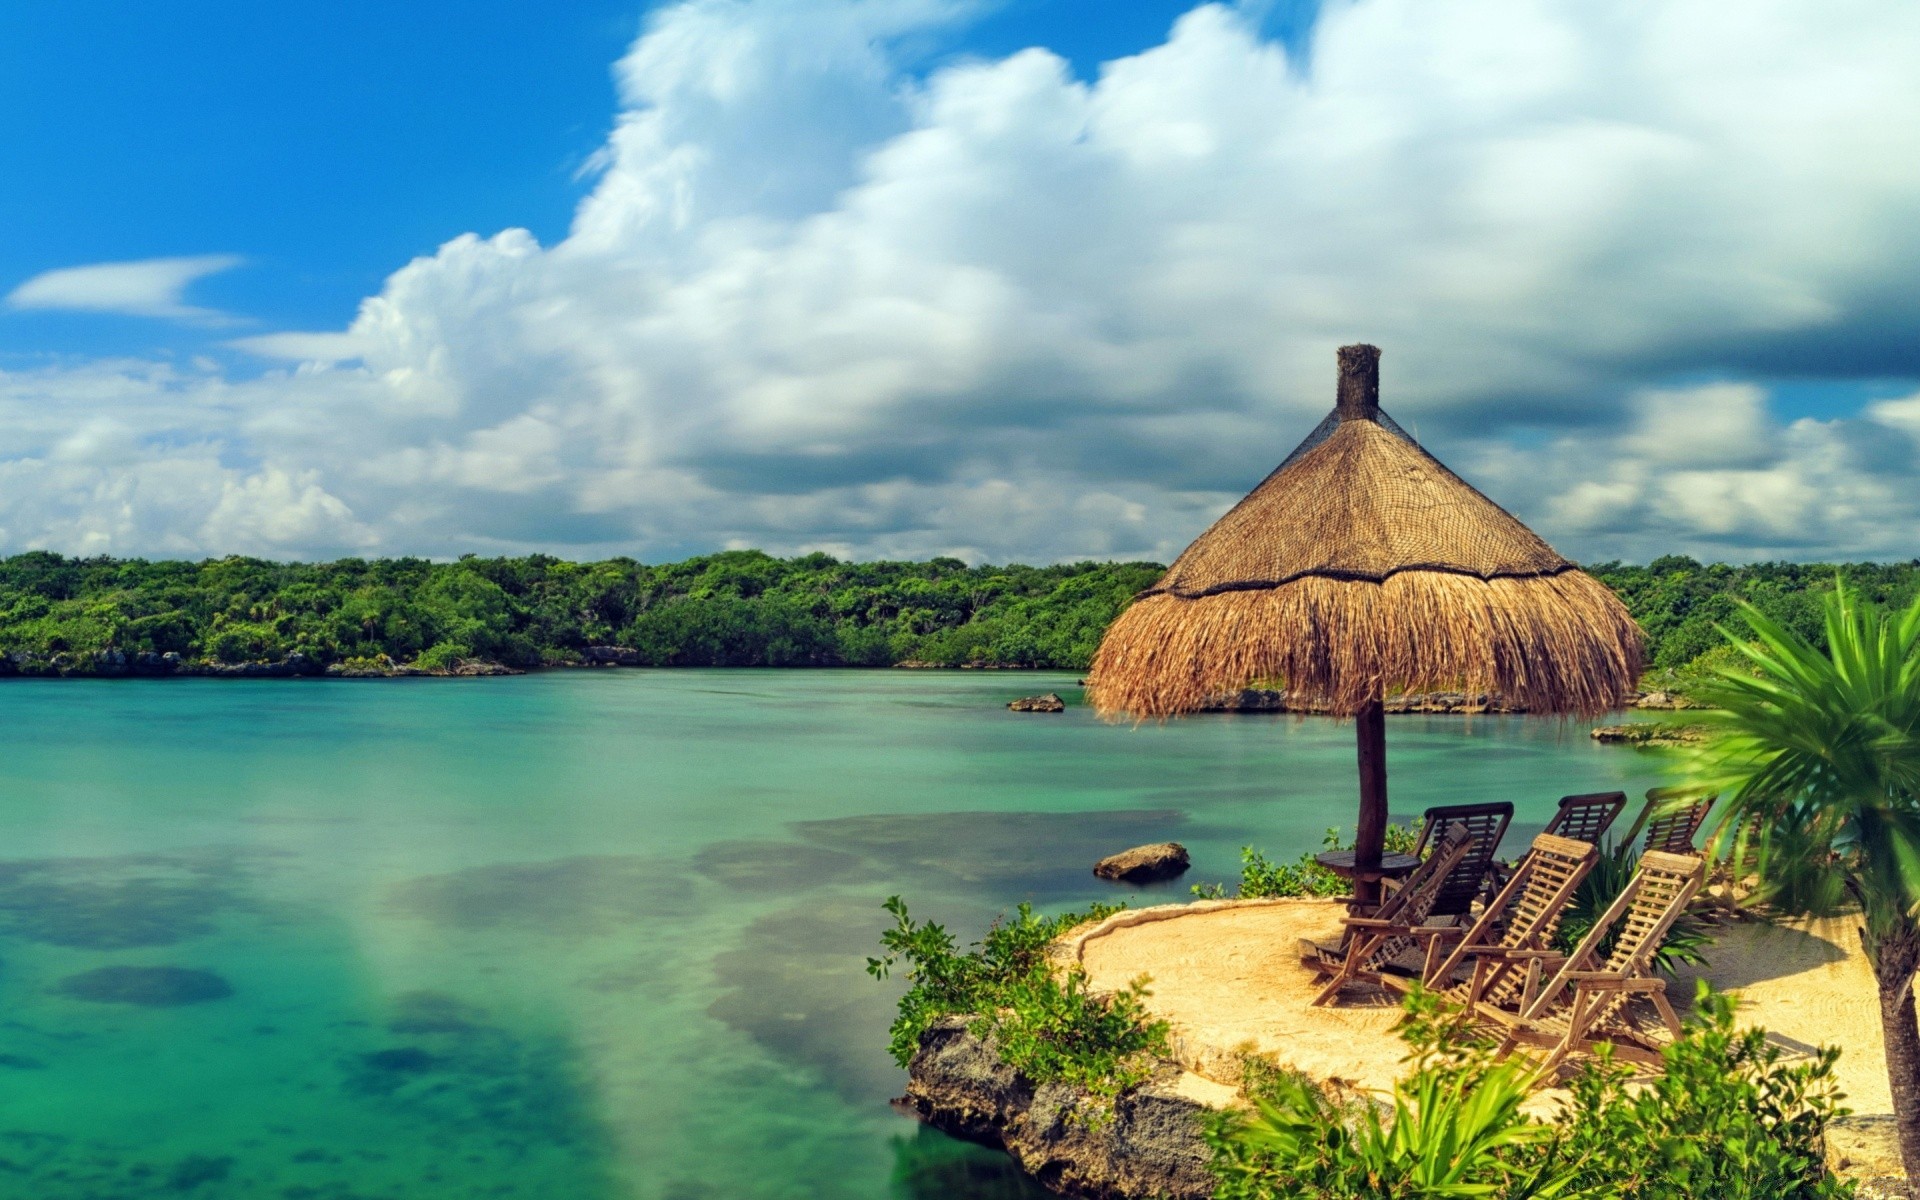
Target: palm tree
{"points": [[1818, 753]]}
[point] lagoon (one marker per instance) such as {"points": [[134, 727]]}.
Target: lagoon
{"points": [[596, 935]]}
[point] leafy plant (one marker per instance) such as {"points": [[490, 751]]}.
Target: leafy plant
{"points": [[1046, 1021], [1452, 1128], [1728, 1119], [1261, 877], [1818, 754]]}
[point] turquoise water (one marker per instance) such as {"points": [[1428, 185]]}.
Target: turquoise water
{"points": [[594, 936]]}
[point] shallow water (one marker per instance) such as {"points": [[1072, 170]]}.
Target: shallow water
{"points": [[586, 935]]}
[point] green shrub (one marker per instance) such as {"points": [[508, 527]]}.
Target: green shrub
{"points": [[1727, 1120], [442, 656], [1045, 1021], [1261, 877]]}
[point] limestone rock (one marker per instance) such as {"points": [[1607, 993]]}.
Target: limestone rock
{"points": [[1144, 864], [1650, 733], [611, 656], [1051, 702], [1151, 1146]]}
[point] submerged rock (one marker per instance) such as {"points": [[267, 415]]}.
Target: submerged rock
{"points": [[406, 1060], [1051, 702], [1151, 1146], [1145, 864], [148, 987]]}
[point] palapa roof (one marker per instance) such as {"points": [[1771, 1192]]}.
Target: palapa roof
{"points": [[1362, 567]]}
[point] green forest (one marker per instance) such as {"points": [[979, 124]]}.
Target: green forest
{"points": [[62, 615]]}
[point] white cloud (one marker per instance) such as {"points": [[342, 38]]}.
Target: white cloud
{"points": [[152, 287], [815, 300]]}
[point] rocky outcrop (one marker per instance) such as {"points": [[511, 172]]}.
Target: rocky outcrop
{"points": [[385, 668], [286, 668], [611, 656], [1150, 1145], [1650, 733], [1660, 700], [1051, 702], [1866, 1149], [1145, 864], [1275, 700]]}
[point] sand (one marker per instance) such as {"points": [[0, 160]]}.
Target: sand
{"points": [[1227, 976]]}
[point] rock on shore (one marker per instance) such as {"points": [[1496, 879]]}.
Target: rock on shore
{"points": [[1275, 700], [1150, 1147], [1650, 733]]}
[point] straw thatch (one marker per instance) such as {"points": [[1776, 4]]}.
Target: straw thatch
{"points": [[1362, 568]]}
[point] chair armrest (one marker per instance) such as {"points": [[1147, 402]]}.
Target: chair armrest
{"points": [[1607, 981], [1504, 952]]}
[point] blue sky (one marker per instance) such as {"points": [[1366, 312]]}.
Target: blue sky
{"points": [[329, 145], [1029, 280]]}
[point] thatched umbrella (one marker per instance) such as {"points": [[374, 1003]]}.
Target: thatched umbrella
{"points": [[1359, 569]]}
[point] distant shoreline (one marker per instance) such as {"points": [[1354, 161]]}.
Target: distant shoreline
{"points": [[360, 618]]}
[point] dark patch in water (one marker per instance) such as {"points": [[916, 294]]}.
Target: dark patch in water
{"points": [[121, 902], [1008, 856], [797, 984], [929, 1165], [580, 896], [779, 867], [407, 1060], [433, 1012], [196, 1169], [20, 1062], [467, 1077], [148, 987]]}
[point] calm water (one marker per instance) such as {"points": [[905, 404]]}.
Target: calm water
{"points": [[585, 936]]}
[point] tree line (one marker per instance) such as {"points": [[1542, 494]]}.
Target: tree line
{"points": [[737, 608]]}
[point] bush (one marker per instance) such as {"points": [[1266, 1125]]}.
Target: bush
{"points": [[1726, 1120], [1260, 877], [1047, 1024]]}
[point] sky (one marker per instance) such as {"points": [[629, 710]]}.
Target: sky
{"points": [[1034, 280]]}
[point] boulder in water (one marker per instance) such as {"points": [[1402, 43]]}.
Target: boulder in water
{"points": [[1144, 864], [1051, 702]]}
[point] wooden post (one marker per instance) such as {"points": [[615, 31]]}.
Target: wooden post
{"points": [[1370, 731]]}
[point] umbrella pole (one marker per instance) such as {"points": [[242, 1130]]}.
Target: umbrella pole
{"points": [[1370, 731]]}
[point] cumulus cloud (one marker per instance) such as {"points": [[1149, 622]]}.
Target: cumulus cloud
{"points": [[151, 287], [817, 300]]}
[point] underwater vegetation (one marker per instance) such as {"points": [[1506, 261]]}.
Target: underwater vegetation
{"points": [[146, 987], [121, 902]]}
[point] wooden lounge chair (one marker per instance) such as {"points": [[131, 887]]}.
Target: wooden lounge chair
{"points": [[1584, 818], [1670, 819], [1486, 824], [1371, 947], [1512, 941], [1588, 999]]}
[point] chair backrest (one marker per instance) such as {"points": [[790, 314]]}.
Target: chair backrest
{"points": [[1526, 914], [1645, 910], [1671, 817], [1585, 817], [1487, 824], [1413, 903]]}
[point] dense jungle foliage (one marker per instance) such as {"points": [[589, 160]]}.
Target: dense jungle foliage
{"points": [[735, 609], [738, 608]]}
